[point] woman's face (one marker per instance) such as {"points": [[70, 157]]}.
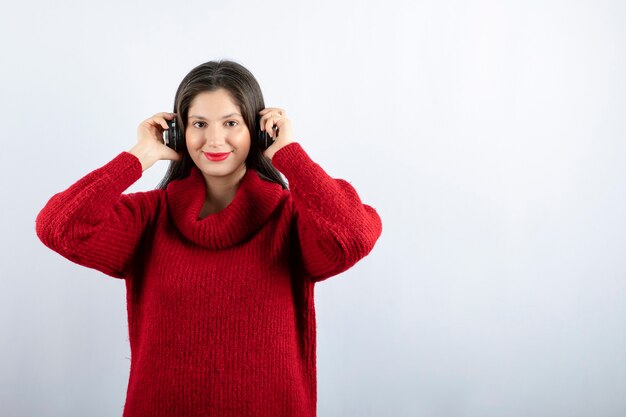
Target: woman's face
{"points": [[215, 126]]}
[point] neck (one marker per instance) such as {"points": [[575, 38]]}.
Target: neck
{"points": [[220, 191]]}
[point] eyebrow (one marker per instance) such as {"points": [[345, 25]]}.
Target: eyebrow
{"points": [[223, 117]]}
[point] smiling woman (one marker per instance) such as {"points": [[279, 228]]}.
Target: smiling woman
{"points": [[232, 91], [219, 262], [218, 146]]}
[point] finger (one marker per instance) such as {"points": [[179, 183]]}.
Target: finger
{"points": [[280, 123], [268, 126], [264, 121], [163, 123], [154, 120], [275, 127], [162, 114], [160, 119]]}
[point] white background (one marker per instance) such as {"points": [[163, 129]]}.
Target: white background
{"points": [[489, 135]]}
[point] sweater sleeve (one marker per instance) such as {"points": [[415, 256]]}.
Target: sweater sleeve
{"points": [[335, 229], [93, 224]]}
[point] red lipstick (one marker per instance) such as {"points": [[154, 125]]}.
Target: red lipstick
{"points": [[216, 156]]}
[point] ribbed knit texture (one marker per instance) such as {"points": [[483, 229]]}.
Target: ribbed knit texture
{"points": [[221, 316]]}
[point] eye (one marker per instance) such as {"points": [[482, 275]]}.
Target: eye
{"points": [[232, 121], [195, 123]]}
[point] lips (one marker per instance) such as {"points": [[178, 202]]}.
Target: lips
{"points": [[211, 156]]}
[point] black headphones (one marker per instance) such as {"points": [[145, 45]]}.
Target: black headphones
{"points": [[173, 137]]}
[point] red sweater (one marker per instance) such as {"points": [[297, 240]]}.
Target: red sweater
{"points": [[221, 316]]}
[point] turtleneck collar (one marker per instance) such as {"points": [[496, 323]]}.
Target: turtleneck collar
{"points": [[254, 201]]}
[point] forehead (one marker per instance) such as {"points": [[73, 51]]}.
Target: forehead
{"points": [[214, 101]]}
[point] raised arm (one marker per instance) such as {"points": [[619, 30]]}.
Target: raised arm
{"points": [[335, 229], [92, 223]]}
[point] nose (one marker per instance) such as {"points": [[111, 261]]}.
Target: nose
{"points": [[215, 137]]}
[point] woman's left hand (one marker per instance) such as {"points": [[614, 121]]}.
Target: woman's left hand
{"points": [[273, 116]]}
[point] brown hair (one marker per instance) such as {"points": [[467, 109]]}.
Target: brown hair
{"points": [[246, 93]]}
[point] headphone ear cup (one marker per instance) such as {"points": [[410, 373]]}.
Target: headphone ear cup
{"points": [[179, 139], [173, 136], [262, 141], [262, 137]]}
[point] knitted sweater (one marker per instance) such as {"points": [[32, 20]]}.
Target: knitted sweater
{"points": [[221, 316]]}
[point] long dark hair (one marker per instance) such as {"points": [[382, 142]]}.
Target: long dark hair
{"points": [[246, 93]]}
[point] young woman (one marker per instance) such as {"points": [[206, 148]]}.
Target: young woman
{"points": [[221, 260]]}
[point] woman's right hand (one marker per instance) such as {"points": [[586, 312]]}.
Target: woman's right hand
{"points": [[150, 147]]}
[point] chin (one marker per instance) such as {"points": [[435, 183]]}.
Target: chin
{"points": [[216, 170]]}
